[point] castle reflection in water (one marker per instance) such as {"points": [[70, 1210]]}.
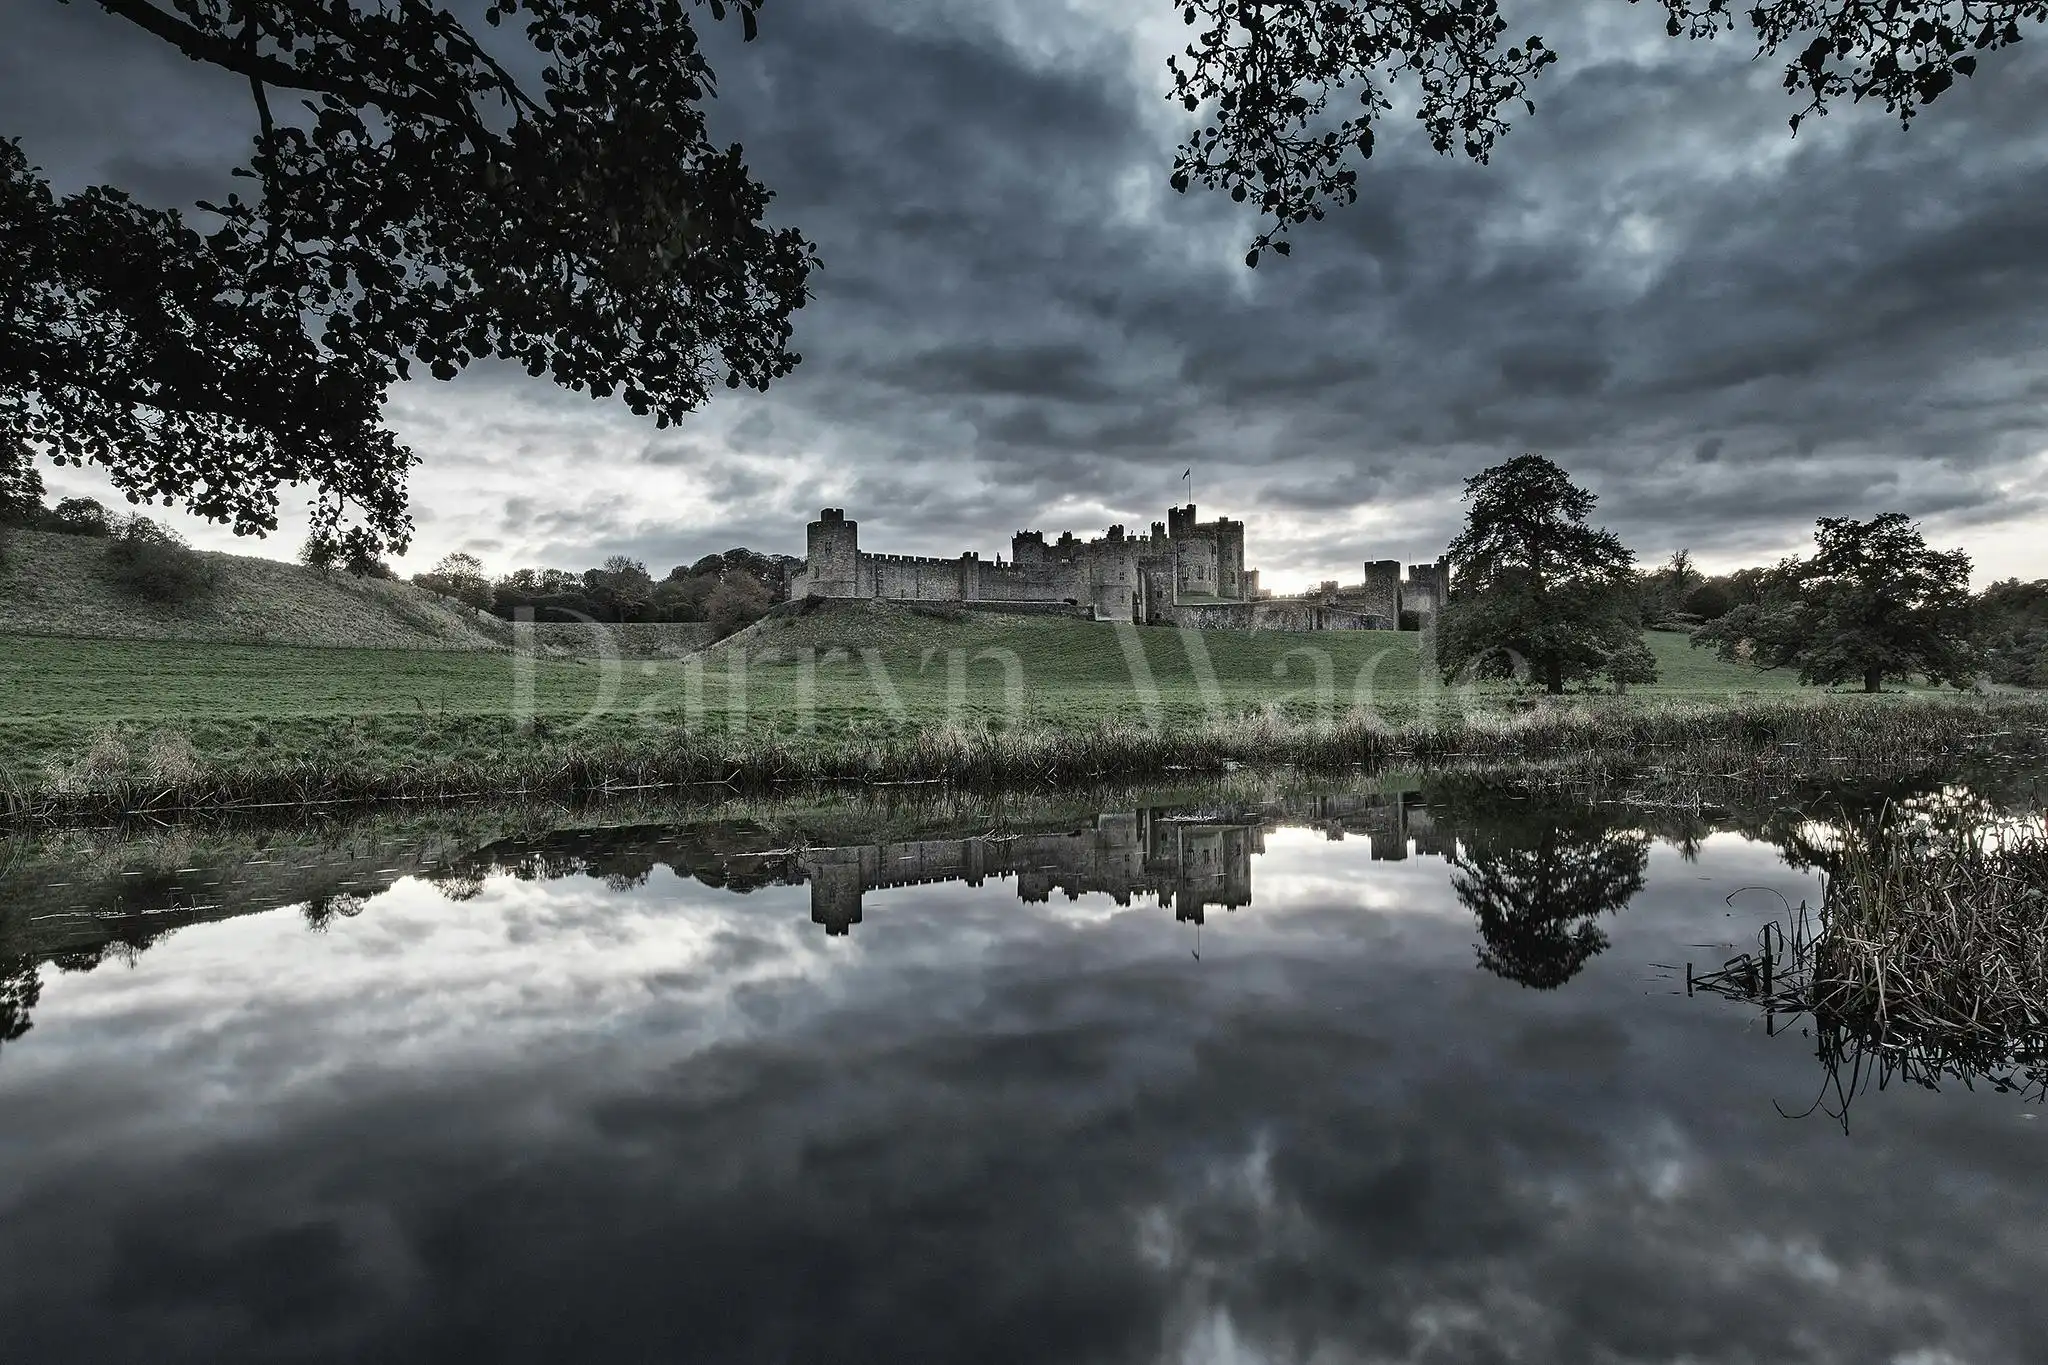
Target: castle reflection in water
{"points": [[1189, 864]]}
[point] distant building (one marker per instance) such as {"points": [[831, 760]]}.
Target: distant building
{"points": [[1184, 572]]}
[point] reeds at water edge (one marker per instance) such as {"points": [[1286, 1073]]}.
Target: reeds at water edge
{"points": [[1927, 960]]}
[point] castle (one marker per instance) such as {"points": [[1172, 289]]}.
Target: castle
{"points": [[1186, 572]]}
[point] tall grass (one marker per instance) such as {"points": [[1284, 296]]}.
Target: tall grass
{"points": [[1927, 960], [1674, 743]]}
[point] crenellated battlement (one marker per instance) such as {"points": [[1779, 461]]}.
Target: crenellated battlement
{"points": [[1185, 571]]}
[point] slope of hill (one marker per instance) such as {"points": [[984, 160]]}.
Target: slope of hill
{"points": [[61, 585]]}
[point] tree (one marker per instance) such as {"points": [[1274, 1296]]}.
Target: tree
{"points": [[21, 486], [621, 589], [1271, 70], [81, 517], [21, 986], [734, 605], [414, 202], [2012, 632], [1873, 603], [1538, 875], [1535, 587], [154, 563], [1667, 589], [1633, 663], [460, 576]]}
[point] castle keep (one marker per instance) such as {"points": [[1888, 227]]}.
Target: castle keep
{"points": [[1185, 571]]}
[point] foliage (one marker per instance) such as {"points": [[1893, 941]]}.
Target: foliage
{"points": [[316, 552], [153, 563], [2012, 632], [621, 590], [81, 517], [1271, 72], [1631, 665], [21, 486], [21, 986], [414, 203], [362, 563], [461, 577], [1664, 592], [1535, 588], [1873, 603], [734, 605], [1538, 874], [142, 347]]}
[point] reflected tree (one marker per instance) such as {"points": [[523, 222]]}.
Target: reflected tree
{"points": [[1539, 873], [21, 986], [322, 911]]}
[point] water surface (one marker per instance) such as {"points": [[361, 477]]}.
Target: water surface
{"points": [[1372, 1076]]}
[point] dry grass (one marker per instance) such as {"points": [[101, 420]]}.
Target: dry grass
{"points": [[1668, 745], [1927, 960]]}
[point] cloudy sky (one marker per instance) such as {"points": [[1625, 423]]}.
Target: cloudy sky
{"points": [[1725, 331], [613, 1119]]}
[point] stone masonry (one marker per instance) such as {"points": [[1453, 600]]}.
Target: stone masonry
{"points": [[1184, 571]]}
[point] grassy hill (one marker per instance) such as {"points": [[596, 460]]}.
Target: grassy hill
{"points": [[61, 585]]}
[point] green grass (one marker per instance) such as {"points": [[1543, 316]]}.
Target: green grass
{"points": [[62, 690], [841, 690]]}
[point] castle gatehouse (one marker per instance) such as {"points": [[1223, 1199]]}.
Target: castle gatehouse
{"points": [[1185, 572]]}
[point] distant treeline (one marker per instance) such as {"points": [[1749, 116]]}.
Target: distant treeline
{"points": [[2008, 619], [729, 591]]}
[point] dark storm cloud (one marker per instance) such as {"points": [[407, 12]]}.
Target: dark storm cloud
{"points": [[1019, 321]]}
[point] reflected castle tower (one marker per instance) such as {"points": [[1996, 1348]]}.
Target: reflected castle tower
{"points": [[1190, 865]]}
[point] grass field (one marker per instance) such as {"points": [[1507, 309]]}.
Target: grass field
{"points": [[90, 715], [838, 670]]}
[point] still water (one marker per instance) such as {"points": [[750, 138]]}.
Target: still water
{"points": [[1376, 1076]]}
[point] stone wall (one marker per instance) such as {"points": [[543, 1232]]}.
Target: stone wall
{"points": [[1213, 615], [908, 578], [1186, 572]]}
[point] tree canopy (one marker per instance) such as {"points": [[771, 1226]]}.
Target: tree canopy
{"points": [[422, 196], [1874, 602], [1534, 587], [1293, 89], [1539, 872]]}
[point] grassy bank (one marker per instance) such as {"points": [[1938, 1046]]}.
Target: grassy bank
{"points": [[64, 586], [851, 695], [1690, 747]]}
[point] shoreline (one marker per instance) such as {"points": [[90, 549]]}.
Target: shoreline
{"points": [[1675, 746]]}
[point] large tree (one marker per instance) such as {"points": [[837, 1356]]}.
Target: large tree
{"points": [[1295, 88], [1874, 602], [1539, 872], [1535, 590], [422, 195]]}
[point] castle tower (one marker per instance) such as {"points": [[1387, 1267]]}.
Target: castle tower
{"points": [[1383, 591], [1428, 588], [836, 887], [1230, 560], [832, 556]]}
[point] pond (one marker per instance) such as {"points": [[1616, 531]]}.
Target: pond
{"points": [[1400, 1072]]}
